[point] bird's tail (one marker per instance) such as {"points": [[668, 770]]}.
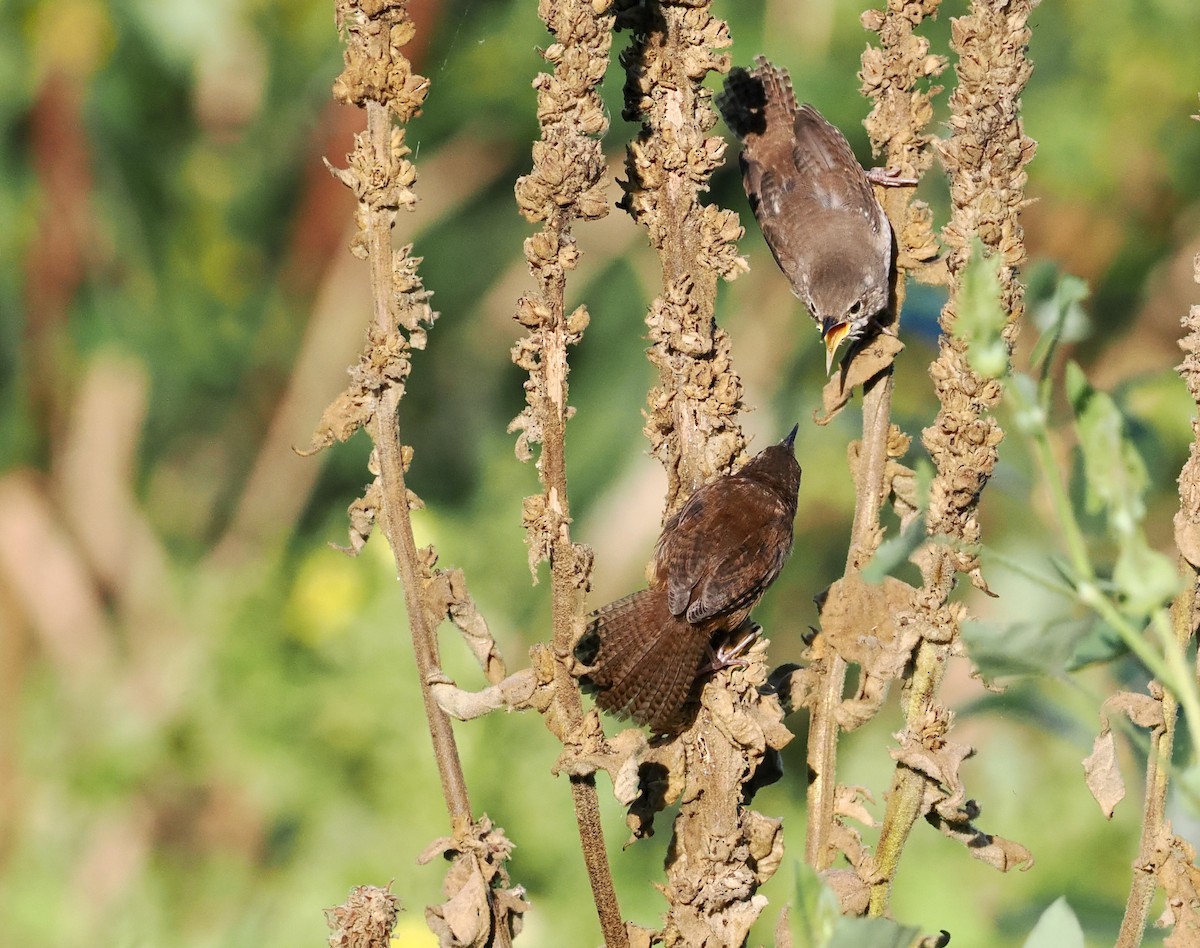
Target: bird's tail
{"points": [[757, 99], [644, 662]]}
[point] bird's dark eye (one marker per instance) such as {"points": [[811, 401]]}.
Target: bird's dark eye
{"points": [[856, 308]]}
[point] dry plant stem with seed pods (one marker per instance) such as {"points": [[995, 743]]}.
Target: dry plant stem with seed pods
{"points": [[721, 851], [891, 75], [480, 907], [567, 182], [984, 160]]}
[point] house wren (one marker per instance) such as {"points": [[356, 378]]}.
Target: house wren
{"points": [[715, 558], [814, 203]]}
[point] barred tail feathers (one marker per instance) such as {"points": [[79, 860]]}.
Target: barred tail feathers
{"points": [[645, 661], [757, 100]]}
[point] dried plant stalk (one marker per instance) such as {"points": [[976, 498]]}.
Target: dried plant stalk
{"points": [[891, 74], [984, 160], [692, 419], [1163, 858], [721, 851], [480, 908], [566, 183]]}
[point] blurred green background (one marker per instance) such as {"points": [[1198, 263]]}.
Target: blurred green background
{"points": [[209, 720]]}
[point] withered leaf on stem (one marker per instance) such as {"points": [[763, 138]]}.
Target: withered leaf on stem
{"points": [[365, 919], [1100, 768], [1180, 878], [871, 626], [998, 852], [362, 513], [447, 597], [477, 877], [876, 356], [1103, 775]]}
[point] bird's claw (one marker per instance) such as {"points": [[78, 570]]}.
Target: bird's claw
{"points": [[890, 177], [729, 654]]}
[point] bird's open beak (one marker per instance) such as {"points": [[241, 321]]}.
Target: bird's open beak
{"points": [[833, 332]]}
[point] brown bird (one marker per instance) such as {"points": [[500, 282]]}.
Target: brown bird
{"points": [[813, 202], [714, 560]]}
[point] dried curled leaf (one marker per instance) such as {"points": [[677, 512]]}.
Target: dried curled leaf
{"points": [[446, 596], [1180, 878], [956, 823], [476, 887], [873, 626], [865, 362], [514, 693], [362, 513], [1100, 769], [348, 412], [365, 919], [1102, 774]]}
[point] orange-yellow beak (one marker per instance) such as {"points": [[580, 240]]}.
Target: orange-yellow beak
{"points": [[833, 334]]}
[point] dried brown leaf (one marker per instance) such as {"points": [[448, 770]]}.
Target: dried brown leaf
{"points": [[475, 887], [1187, 538], [871, 625], [365, 919], [866, 362], [1143, 710], [362, 513], [446, 596], [515, 693], [349, 411], [1100, 768], [853, 894], [1180, 878], [465, 918], [996, 851], [848, 802], [940, 763], [1102, 774]]}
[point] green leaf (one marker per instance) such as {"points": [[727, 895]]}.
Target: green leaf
{"points": [[1029, 414], [980, 317], [814, 912], [1102, 643], [1145, 578], [1060, 317], [872, 933], [1057, 928], [1115, 476], [892, 553], [1025, 648]]}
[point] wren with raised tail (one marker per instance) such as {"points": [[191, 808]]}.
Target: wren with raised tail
{"points": [[646, 653], [814, 203]]}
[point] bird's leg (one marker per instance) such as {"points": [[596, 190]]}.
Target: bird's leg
{"points": [[729, 653], [890, 177]]}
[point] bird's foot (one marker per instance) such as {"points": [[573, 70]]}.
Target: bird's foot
{"points": [[890, 177], [729, 654]]}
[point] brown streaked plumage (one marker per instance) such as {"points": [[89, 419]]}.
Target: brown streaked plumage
{"points": [[714, 560], [813, 201]]}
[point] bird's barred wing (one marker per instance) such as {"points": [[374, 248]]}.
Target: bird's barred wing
{"points": [[827, 170], [740, 578], [722, 549]]}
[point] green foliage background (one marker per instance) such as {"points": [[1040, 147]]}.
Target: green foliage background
{"points": [[294, 763]]}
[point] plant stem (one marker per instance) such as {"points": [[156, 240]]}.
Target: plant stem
{"points": [[397, 527], [1158, 763], [823, 730], [567, 605], [908, 786]]}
